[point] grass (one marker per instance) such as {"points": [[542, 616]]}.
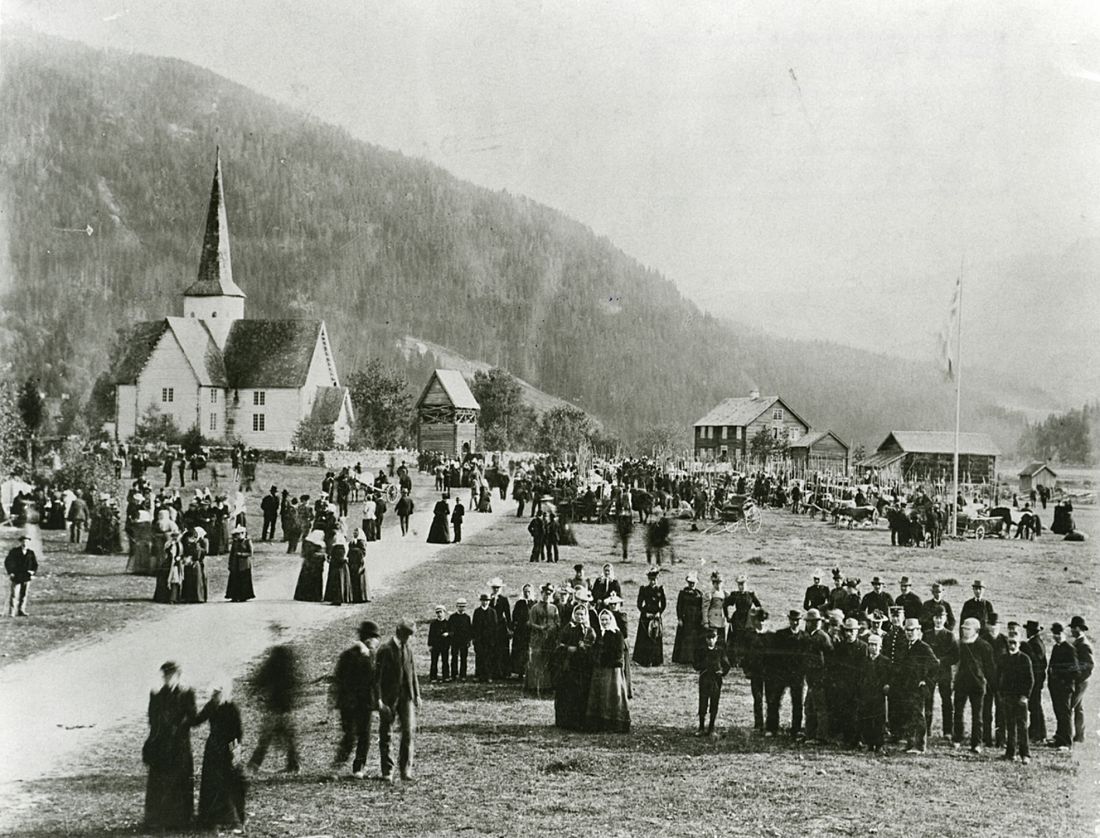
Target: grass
{"points": [[488, 755]]}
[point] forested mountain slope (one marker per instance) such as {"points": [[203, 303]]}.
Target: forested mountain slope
{"points": [[379, 245]]}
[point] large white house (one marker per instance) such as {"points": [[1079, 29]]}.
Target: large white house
{"points": [[233, 378]]}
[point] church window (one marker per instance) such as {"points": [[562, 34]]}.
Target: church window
{"points": [[259, 398], [213, 397], [213, 421], [258, 422], [167, 394]]}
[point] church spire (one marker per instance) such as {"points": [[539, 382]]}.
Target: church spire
{"points": [[215, 266]]}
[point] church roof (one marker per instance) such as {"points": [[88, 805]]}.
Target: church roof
{"points": [[327, 404], [137, 344], [195, 341], [215, 265], [270, 353]]}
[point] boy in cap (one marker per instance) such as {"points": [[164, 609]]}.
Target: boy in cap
{"points": [[1015, 683], [439, 644], [355, 696], [461, 628], [1081, 645], [712, 665], [1061, 679]]}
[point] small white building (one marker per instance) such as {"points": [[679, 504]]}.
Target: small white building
{"points": [[233, 378]]}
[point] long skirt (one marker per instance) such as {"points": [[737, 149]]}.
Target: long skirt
{"points": [[688, 639], [239, 586], [223, 788], [539, 678], [649, 644], [571, 698], [169, 796], [360, 588], [608, 706], [311, 579], [440, 533], [194, 583], [338, 587]]}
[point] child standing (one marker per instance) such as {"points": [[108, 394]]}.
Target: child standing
{"points": [[712, 665]]}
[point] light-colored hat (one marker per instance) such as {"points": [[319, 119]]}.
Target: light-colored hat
{"points": [[691, 577], [460, 601], [496, 582], [613, 599], [741, 577], [582, 595], [239, 530]]}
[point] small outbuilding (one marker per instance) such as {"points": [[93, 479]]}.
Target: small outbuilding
{"points": [[915, 456], [819, 451], [1036, 475], [447, 415]]}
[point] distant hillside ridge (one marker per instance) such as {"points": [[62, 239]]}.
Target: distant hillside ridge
{"points": [[379, 245]]}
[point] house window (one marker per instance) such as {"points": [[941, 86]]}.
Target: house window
{"points": [[777, 414], [213, 421], [259, 398], [167, 394], [724, 429], [258, 423], [213, 397]]}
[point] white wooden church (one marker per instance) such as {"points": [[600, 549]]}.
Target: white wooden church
{"points": [[235, 378]]}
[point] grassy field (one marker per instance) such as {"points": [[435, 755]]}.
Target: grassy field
{"points": [[488, 755]]}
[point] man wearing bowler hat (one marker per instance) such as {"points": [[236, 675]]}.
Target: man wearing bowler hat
{"points": [[909, 600], [1036, 652], [1081, 645], [932, 605], [876, 599], [977, 606], [399, 699], [1061, 678], [817, 595], [355, 696], [782, 672]]}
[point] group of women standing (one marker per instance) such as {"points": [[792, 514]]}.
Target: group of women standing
{"points": [[591, 684], [346, 579], [181, 576]]}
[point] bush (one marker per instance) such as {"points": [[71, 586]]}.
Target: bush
{"points": [[311, 435], [85, 471]]}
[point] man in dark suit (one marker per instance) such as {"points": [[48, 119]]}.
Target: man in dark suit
{"points": [[502, 646], [1083, 648], [21, 565], [876, 599], [269, 506], [355, 696], [946, 649], [914, 675], [973, 678], [483, 632], [1061, 678], [536, 529], [1016, 682], [461, 628], [399, 699], [817, 595], [1036, 652], [909, 600], [77, 517], [977, 606], [782, 672], [930, 607]]}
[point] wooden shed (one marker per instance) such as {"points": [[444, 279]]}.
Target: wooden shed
{"points": [[820, 451], [916, 456], [1036, 475], [447, 415]]}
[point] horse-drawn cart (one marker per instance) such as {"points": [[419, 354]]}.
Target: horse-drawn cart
{"points": [[738, 512], [980, 526]]}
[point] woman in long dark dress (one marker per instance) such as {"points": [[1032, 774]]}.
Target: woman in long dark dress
{"points": [[649, 644], [440, 532], [170, 788], [239, 586], [311, 578], [573, 670], [357, 567], [689, 622], [608, 708], [194, 566], [223, 787], [338, 586]]}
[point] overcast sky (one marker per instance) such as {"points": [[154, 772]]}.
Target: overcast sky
{"points": [[818, 168]]}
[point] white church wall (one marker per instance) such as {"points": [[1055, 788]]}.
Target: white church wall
{"points": [[281, 412], [169, 384]]}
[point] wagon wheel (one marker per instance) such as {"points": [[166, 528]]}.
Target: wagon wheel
{"points": [[979, 532], [752, 522]]}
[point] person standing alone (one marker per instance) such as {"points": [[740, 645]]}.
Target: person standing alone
{"points": [[399, 699], [21, 564]]}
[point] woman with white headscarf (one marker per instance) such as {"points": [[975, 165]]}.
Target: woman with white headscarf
{"points": [[573, 670], [357, 567], [608, 697], [338, 586], [311, 578], [223, 788]]}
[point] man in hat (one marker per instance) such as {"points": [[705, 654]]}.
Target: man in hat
{"points": [[1015, 684], [439, 645], [484, 634], [845, 664], [817, 595], [1081, 645], [537, 529], [872, 686], [783, 672], [818, 649], [399, 699], [909, 600], [355, 696], [876, 599], [974, 676], [946, 649], [1036, 652], [502, 646], [893, 644], [1061, 680], [914, 674], [461, 628], [21, 565], [278, 683], [992, 713], [931, 605], [755, 663], [578, 579], [404, 509], [977, 606], [712, 665], [269, 506]]}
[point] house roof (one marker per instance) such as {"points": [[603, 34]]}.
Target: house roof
{"points": [[215, 265], [200, 350], [327, 404], [137, 344], [939, 442], [812, 437], [882, 459], [270, 353], [743, 411], [1035, 468], [456, 388]]}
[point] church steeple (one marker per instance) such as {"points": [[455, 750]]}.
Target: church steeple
{"points": [[214, 297]]}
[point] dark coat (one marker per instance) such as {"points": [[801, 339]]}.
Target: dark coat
{"points": [[1016, 677], [712, 663], [927, 610], [1062, 670], [1037, 654], [169, 791], [945, 646], [976, 666], [484, 626], [783, 663], [396, 673], [877, 601], [21, 564], [816, 597], [980, 610], [278, 679], [439, 634], [354, 684], [462, 630], [915, 668], [1084, 659], [603, 587], [912, 605]]}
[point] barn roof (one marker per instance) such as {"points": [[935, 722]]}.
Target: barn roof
{"points": [[812, 437], [327, 404], [939, 442], [456, 388], [743, 411], [1035, 468], [270, 353], [215, 265]]}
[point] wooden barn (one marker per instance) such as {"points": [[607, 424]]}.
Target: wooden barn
{"points": [[819, 451], [1036, 475], [916, 456], [725, 433], [447, 414]]}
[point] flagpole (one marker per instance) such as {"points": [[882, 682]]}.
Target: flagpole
{"points": [[958, 407]]}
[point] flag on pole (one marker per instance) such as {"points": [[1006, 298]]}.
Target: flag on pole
{"points": [[949, 332]]}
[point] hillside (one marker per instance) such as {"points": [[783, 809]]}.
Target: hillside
{"points": [[381, 246]]}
